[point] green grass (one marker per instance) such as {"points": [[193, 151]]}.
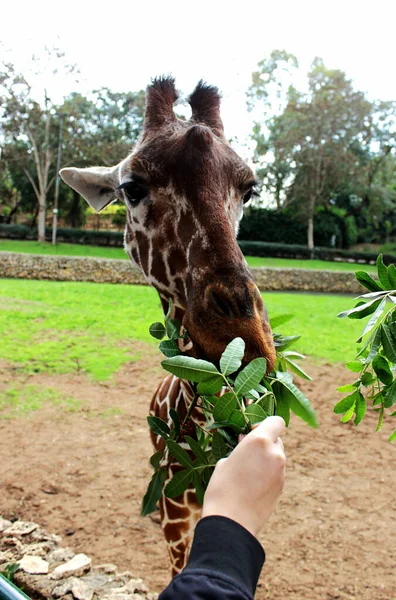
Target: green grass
{"points": [[104, 252], [60, 327], [19, 400]]}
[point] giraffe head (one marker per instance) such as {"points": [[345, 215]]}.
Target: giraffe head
{"points": [[184, 188]]}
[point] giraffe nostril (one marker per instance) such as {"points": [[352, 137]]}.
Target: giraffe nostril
{"points": [[220, 304]]}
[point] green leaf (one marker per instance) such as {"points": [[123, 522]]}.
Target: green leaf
{"points": [[380, 418], [367, 281], [169, 348], [368, 379], [196, 448], [349, 387], [390, 395], [237, 422], [211, 386], [172, 328], [251, 376], [178, 484], [179, 454], [199, 487], [153, 493], [383, 273], [224, 407], [283, 342], [156, 458], [297, 369], [255, 413], [373, 319], [299, 403], [157, 330], [348, 415], [381, 367], [360, 408], [393, 436], [174, 415], [282, 402], [189, 368], [159, 427], [231, 359], [388, 343], [355, 366], [361, 310], [392, 276], [267, 403], [280, 320], [219, 447], [346, 403], [375, 344]]}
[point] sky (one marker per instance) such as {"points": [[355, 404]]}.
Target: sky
{"points": [[122, 45]]}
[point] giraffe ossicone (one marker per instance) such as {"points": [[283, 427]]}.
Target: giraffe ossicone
{"points": [[184, 188]]}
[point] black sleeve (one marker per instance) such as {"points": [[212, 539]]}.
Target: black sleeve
{"points": [[225, 563]]}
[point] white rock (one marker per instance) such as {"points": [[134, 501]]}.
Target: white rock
{"points": [[62, 590], [34, 565], [21, 528], [60, 555], [4, 524], [107, 568], [79, 564], [81, 591], [135, 585]]}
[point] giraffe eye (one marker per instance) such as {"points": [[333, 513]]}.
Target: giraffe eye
{"points": [[249, 194], [133, 191]]}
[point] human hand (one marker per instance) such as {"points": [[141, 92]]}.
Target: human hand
{"points": [[246, 485]]}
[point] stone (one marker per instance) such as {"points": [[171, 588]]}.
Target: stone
{"points": [[98, 581], [81, 591], [136, 585], [64, 588], [20, 528], [60, 555], [4, 524], [117, 595], [34, 565], [107, 568], [38, 549], [78, 565]]}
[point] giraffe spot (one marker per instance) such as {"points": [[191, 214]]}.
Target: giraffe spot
{"points": [[135, 256], [143, 246], [158, 269], [172, 531], [186, 230], [177, 261]]}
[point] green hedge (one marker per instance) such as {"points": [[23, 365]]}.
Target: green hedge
{"points": [[71, 236], [300, 252], [249, 248]]}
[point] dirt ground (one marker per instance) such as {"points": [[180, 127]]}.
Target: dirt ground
{"points": [[82, 475]]}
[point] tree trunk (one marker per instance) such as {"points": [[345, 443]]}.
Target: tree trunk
{"points": [[41, 220], [310, 232]]}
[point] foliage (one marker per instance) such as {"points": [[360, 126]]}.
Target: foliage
{"points": [[231, 399], [323, 144], [9, 571], [375, 362]]}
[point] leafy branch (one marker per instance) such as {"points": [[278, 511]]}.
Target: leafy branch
{"points": [[230, 397], [376, 359]]}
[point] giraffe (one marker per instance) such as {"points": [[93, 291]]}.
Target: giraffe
{"points": [[184, 189]]}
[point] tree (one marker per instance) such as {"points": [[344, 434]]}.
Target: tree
{"points": [[26, 127], [323, 142], [98, 129]]}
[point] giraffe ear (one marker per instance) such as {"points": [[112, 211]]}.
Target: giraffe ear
{"points": [[96, 184]]}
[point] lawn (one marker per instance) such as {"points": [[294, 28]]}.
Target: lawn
{"points": [[61, 327], [105, 252]]}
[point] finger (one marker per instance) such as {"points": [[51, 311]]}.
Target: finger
{"points": [[271, 427]]}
